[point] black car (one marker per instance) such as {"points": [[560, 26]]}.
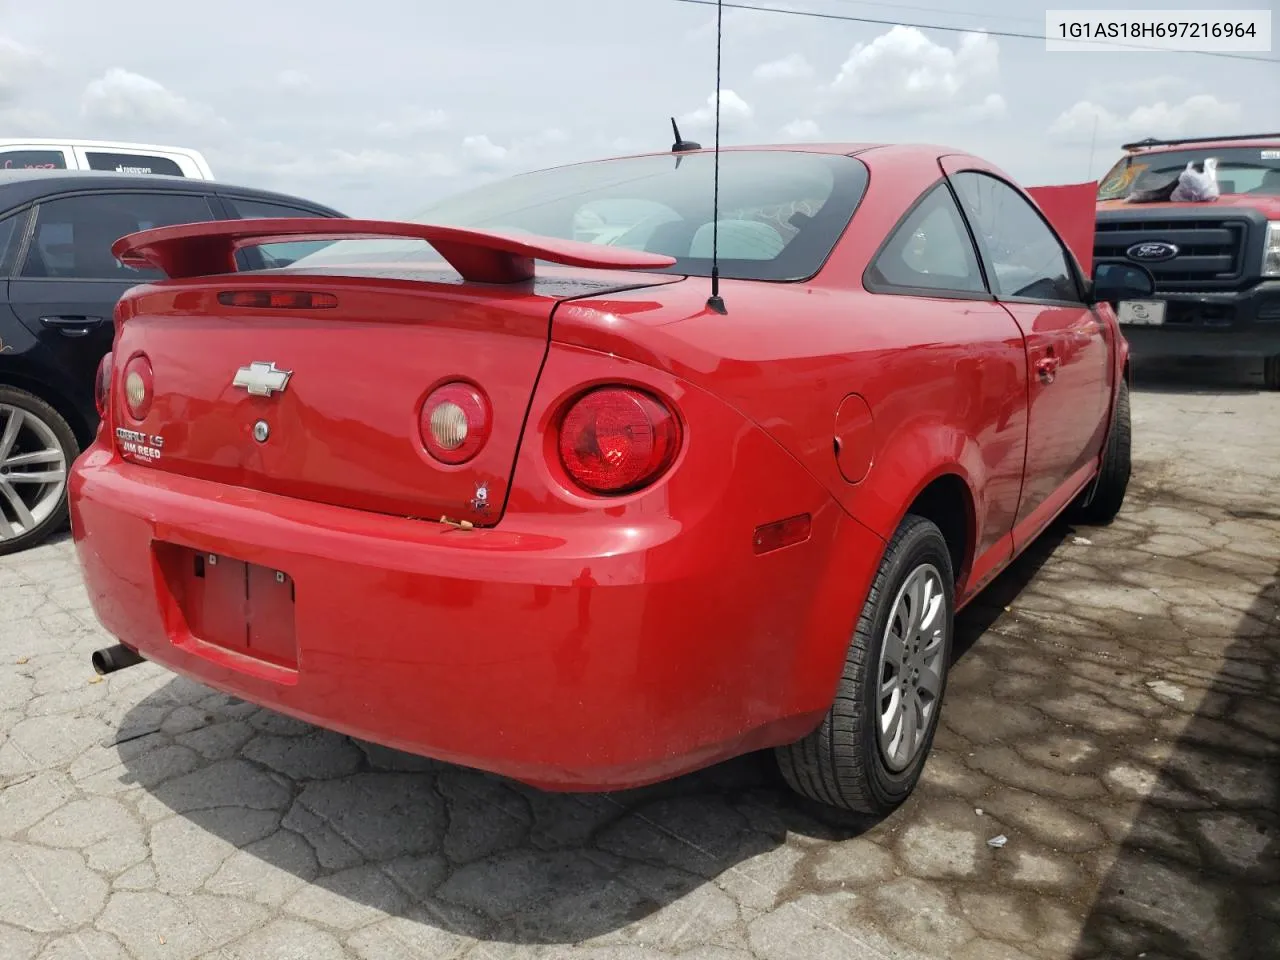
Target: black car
{"points": [[59, 284]]}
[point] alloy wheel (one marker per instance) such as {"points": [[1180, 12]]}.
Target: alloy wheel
{"points": [[33, 471], [911, 667]]}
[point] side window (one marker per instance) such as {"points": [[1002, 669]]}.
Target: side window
{"points": [[132, 163], [930, 250], [272, 254], [1024, 257], [32, 160], [10, 237], [73, 235]]}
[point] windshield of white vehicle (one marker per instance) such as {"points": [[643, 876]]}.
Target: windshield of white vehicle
{"points": [[781, 211], [1247, 170]]}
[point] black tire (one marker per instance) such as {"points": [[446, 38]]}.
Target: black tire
{"points": [[841, 764], [66, 439], [1102, 500], [1271, 372]]}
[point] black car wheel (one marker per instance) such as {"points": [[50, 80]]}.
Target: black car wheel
{"points": [[37, 448], [1101, 501], [867, 754]]}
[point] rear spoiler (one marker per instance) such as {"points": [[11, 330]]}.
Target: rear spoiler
{"points": [[482, 256], [1072, 209]]}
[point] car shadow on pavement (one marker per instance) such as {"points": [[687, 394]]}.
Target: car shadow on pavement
{"points": [[1198, 875], [253, 804]]}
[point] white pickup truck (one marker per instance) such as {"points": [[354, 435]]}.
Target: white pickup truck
{"points": [[107, 155]]}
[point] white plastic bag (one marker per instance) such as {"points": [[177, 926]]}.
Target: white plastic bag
{"points": [[1196, 187]]}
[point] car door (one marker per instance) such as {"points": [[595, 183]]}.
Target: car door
{"points": [[65, 281], [13, 336], [1069, 351], [945, 306]]}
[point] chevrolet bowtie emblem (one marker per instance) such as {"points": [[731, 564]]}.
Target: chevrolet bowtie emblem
{"points": [[262, 379]]}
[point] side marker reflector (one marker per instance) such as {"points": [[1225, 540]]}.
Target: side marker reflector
{"points": [[782, 533]]}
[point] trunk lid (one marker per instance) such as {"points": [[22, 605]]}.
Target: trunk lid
{"points": [[344, 430]]}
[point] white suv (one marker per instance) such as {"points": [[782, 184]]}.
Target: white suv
{"points": [[107, 155]]}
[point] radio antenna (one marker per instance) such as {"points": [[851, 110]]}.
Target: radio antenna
{"points": [[715, 301], [681, 143]]}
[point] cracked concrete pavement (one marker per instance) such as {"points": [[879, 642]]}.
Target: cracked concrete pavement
{"points": [[1114, 713]]}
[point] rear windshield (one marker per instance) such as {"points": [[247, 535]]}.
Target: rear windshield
{"points": [[781, 211], [1248, 170]]}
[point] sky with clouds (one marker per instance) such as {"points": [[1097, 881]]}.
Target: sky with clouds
{"points": [[379, 107]]}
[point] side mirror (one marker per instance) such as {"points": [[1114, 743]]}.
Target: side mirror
{"points": [[1121, 281]]}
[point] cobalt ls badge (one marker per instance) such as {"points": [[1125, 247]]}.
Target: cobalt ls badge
{"points": [[145, 447]]}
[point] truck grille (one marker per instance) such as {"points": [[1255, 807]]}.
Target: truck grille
{"points": [[1210, 250]]}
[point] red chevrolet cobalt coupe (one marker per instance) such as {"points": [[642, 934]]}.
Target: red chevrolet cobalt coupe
{"points": [[500, 486]]}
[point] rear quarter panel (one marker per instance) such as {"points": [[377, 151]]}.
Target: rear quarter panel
{"points": [[689, 536]]}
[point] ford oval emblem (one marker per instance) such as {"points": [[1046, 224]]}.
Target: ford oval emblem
{"points": [[1152, 251]]}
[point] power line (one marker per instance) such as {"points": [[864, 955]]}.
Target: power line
{"points": [[1008, 34]]}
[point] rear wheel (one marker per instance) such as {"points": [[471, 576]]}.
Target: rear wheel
{"points": [[1102, 500], [867, 754], [1271, 372], [36, 448]]}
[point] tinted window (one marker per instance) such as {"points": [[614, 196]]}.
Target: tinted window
{"points": [[32, 160], [1024, 257], [273, 254], [73, 235], [781, 211], [133, 163], [10, 237], [930, 250]]}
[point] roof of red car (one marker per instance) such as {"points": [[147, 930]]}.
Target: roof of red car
{"points": [[847, 149]]}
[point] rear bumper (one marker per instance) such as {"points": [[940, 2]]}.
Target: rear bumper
{"points": [[587, 657], [1241, 324]]}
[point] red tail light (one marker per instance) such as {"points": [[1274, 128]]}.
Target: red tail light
{"points": [[139, 386], [455, 422], [617, 439], [102, 385], [277, 299]]}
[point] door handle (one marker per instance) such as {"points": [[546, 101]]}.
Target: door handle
{"points": [[1047, 368], [72, 326]]}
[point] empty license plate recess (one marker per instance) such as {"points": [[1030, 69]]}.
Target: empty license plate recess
{"points": [[241, 607]]}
